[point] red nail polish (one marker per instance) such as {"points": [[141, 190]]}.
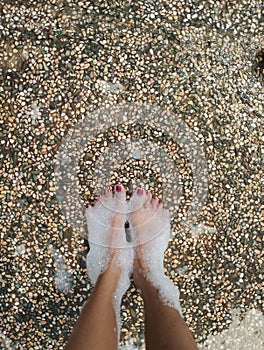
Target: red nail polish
{"points": [[118, 188], [139, 191], [96, 199]]}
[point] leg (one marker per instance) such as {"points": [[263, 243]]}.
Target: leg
{"points": [[96, 325], [108, 268], [164, 326]]}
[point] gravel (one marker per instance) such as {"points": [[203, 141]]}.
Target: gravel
{"points": [[62, 60]]}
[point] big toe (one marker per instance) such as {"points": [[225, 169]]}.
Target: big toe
{"points": [[120, 192], [120, 199]]}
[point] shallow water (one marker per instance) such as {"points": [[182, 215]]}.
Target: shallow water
{"points": [[180, 63]]}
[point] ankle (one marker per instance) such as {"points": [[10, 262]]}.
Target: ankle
{"points": [[150, 294], [110, 277], [142, 282]]}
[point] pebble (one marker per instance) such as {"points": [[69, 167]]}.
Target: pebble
{"points": [[61, 61]]}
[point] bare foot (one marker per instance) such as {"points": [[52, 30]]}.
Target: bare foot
{"points": [[110, 258], [106, 234], [150, 223]]}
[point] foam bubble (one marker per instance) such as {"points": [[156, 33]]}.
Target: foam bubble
{"points": [[63, 276], [5, 342], [242, 335]]}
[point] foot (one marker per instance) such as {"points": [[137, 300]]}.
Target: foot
{"points": [[151, 226], [106, 234]]}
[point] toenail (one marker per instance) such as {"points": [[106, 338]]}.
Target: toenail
{"points": [[139, 191], [96, 199], [118, 188], [88, 206]]}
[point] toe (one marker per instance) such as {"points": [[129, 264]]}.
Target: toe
{"points": [[148, 199], [138, 199], [155, 202], [108, 193], [106, 199], [119, 200], [140, 192], [88, 211], [96, 204], [120, 192]]}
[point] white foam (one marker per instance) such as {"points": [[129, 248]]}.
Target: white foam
{"points": [[131, 347], [5, 342], [63, 276], [243, 335]]}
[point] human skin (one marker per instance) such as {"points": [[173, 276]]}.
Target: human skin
{"points": [[96, 327]]}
